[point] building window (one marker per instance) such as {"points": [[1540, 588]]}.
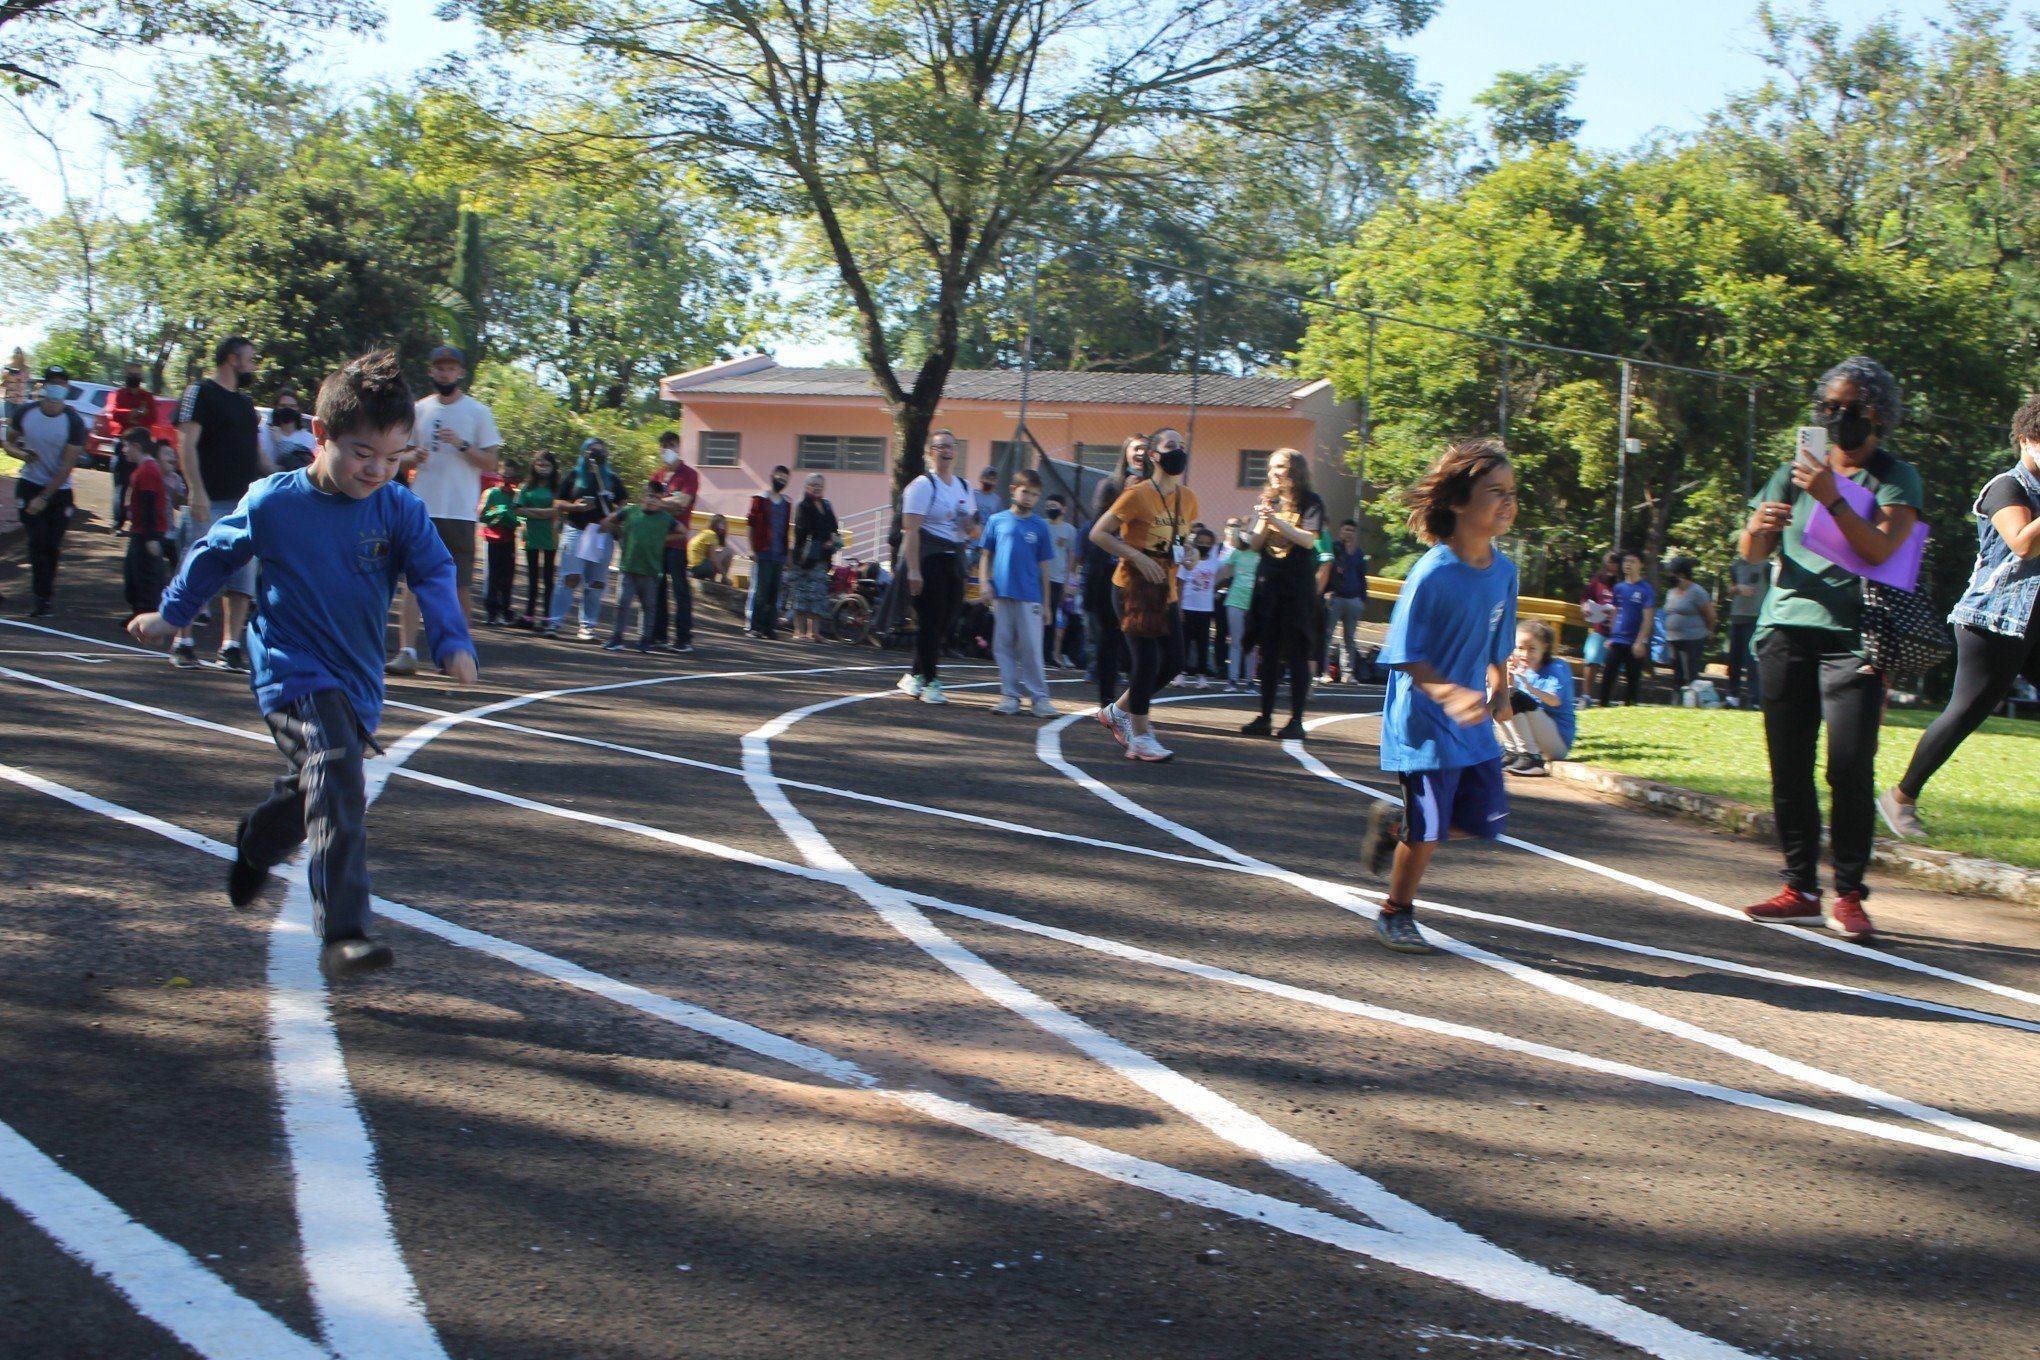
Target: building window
{"points": [[721, 448], [1254, 466], [1099, 457], [840, 453]]}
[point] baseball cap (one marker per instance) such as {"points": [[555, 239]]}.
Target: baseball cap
{"points": [[55, 373], [447, 352]]}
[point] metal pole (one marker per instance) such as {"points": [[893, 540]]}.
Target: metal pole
{"points": [[1027, 351], [1749, 461], [1367, 406], [1505, 391], [1197, 363], [1621, 456]]}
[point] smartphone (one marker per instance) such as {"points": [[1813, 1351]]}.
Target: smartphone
{"points": [[1812, 445]]}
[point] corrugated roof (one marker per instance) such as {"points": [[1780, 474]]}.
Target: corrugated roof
{"points": [[1003, 385]]}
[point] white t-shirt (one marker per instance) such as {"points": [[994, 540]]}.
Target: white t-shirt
{"points": [[287, 452], [46, 437], [1064, 535], [449, 484], [1200, 582], [945, 508]]}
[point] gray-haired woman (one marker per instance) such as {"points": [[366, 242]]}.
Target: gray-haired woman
{"points": [[1809, 640], [814, 548]]}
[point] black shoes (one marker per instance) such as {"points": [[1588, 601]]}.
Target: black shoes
{"points": [[245, 879], [1291, 731], [43, 609], [233, 657], [1259, 727], [347, 958]]}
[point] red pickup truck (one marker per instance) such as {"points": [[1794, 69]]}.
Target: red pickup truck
{"points": [[100, 446]]}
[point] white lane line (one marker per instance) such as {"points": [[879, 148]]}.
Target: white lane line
{"points": [[1458, 1257], [1049, 747], [1733, 1095], [161, 1279], [382, 773], [1254, 871], [1672, 894]]}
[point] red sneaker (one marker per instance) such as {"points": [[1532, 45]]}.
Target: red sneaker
{"points": [[1789, 907], [1848, 919]]}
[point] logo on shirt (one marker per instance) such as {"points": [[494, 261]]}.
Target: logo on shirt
{"points": [[372, 552]]}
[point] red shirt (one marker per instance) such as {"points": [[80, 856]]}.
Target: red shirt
{"points": [[127, 406], [1601, 592], [680, 480], [147, 480]]}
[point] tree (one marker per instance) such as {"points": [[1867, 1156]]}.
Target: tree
{"points": [[41, 39], [1529, 109], [917, 137]]}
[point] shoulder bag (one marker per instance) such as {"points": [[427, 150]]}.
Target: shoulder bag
{"points": [[1144, 604]]}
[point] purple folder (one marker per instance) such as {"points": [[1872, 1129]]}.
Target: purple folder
{"points": [[1901, 570]]}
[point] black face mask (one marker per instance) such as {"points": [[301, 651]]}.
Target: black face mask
{"points": [[446, 389], [244, 380], [1055, 512], [1174, 462], [779, 483], [134, 380], [1851, 431]]}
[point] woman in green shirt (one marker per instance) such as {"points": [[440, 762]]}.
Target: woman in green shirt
{"points": [[541, 535], [1809, 642]]}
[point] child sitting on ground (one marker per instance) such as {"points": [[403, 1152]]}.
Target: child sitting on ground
{"points": [[1453, 627], [1540, 723], [332, 539], [640, 531]]}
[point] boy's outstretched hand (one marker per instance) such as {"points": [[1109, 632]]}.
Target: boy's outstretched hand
{"points": [[460, 668], [150, 628], [1467, 707]]}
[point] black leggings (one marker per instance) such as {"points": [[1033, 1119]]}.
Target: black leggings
{"points": [[1688, 660], [935, 609], [1155, 661], [1811, 678], [1986, 664], [538, 581], [1298, 665], [501, 596], [1627, 658], [1108, 650], [1197, 641]]}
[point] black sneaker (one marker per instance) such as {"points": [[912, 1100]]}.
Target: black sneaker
{"points": [[233, 658], [1259, 727], [345, 958], [1291, 731], [43, 609], [245, 880], [1532, 767], [1384, 831], [184, 655], [1398, 931]]}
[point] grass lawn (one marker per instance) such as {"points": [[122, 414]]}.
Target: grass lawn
{"points": [[1986, 801]]}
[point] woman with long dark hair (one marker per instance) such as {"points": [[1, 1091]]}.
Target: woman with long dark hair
{"points": [[1283, 621], [541, 535], [1145, 529], [1101, 615]]}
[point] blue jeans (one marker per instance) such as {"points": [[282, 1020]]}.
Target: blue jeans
{"points": [[642, 590]]}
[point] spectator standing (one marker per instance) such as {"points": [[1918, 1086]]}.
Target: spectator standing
{"points": [[1284, 622], [1018, 553], [1629, 631], [1690, 621], [711, 552], [679, 488], [1197, 579], [1145, 529], [166, 459], [539, 514], [1749, 582], [128, 406], [457, 442], [590, 494], [1346, 601], [148, 523], [1540, 723], [49, 438], [1809, 642], [1064, 535], [771, 518], [14, 384], [1597, 609], [1242, 568], [815, 540], [498, 516], [641, 531], [290, 445], [1997, 621], [938, 520]]}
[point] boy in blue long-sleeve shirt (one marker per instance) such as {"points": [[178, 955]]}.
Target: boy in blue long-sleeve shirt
{"points": [[333, 539]]}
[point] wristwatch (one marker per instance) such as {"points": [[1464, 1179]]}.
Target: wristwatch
{"points": [[1837, 505]]}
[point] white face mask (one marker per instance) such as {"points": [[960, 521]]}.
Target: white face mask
{"points": [[671, 456]]}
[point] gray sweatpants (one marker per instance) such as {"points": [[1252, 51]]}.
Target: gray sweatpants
{"points": [[1016, 642], [323, 797]]}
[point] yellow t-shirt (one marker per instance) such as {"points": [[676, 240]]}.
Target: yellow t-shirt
{"points": [[1154, 523], [701, 547]]}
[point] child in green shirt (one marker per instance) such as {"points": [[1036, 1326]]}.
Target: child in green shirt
{"points": [[541, 536], [499, 531], [640, 531]]}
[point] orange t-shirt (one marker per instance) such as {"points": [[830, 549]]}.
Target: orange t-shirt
{"points": [[1153, 523]]}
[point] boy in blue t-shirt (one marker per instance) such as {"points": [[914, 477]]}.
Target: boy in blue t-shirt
{"points": [[1448, 641], [1020, 547], [1630, 633], [332, 538]]}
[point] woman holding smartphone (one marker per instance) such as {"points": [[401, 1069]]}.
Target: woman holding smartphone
{"points": [[1809, 641], [1284, 621]]}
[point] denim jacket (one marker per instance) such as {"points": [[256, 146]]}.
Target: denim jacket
{"points": [[2002, 588]]}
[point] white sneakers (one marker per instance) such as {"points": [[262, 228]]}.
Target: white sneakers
{"points": [[1143, 746], [909, 685], [1115, 722], [1045, 708], [1007, 706]]}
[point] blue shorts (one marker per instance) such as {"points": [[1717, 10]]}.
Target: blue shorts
{"points": [[1470, 797], [1596, 650]]}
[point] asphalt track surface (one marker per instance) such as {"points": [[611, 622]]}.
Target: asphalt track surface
{"points": [[743, 1008]]}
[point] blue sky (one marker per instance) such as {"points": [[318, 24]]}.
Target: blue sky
{"points": [[1650, 65]]}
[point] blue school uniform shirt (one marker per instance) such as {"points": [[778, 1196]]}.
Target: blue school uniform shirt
{"points": [[330, 564], [1019, 545], [1631, 599], [1461, 620], [1554, 678]]}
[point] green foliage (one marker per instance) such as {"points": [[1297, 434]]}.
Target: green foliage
{"points": [[529, 416], [42, 40], [1529, 109]]}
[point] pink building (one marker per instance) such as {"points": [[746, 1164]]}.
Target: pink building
{"points": [[743, 416]]}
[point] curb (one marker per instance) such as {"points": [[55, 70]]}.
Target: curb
{"points": [[1940, 869]]}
